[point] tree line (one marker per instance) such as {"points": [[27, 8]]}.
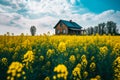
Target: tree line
{"points": [[109, 27], [103, 28]]}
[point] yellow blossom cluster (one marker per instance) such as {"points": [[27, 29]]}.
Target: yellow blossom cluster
{"points": [[85, 74], [116, 49], [103, 51], [62, 72], [84, 61], [50, 52], [72, 59], [15, 71], [92, 58], [76, 50], [41, 58], [76, 72], [28, 58], [109, 42], [26, 44], [62, 47], [116, 66], [90, 52], [47, 78], [98, 77], [17, 48], [4, 61], [92, 66]]}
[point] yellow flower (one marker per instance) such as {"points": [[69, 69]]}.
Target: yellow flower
{"points": [[92, 66], [61, 70], [72, 58], [18, 75], [47, 78], [62, 75], [50, 52], [62, 47], [19, 69], [26, 43], [15, 70], [116, 67], [98, 77], [84, 61], [78, 65], [93, 79], [41, 58], [17, 48], [65, 78], [4, 61], [23, 73], [8, 77], [24, 77], [12, 78], [54, 77], [76, 50], [28, 57], [83, 57], [77, 72], [14, 74], [85, 74], [58, 75], [116, 49], [103, 51], [92, 58]]}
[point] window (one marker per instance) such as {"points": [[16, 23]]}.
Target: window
{"points": [[58, 31], [64, 31]]}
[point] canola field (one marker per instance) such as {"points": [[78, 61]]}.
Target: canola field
{"points": [[60, 57]]}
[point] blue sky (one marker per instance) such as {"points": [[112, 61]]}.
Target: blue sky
{"points": [[98, 6], [16, 16]]}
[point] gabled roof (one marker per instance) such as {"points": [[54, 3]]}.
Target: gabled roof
{"points": [[69, 24]]}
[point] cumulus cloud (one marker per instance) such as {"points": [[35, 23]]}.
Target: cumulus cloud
{"points": [[17, 16], [92, 19]]}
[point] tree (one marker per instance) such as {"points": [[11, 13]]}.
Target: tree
{"points": [[95, 29], [33, 30], [88, 31], [102, 28], [111, 26], [8, 33], [114, 28], [91, 29]]}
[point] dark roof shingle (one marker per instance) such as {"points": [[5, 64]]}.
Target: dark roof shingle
{"points": [[69, 24]]}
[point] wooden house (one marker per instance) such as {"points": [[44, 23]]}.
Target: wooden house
{"points": [[67, 27]]}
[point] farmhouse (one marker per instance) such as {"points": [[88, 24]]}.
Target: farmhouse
{"points": [[68, 27]]}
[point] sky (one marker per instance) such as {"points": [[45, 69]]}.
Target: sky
{"points": [[17, 16]]}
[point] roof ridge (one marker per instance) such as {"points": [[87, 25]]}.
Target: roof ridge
{"points": [[70, 24]]}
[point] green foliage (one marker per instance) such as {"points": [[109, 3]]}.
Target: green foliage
{"points": [[41, 57]]}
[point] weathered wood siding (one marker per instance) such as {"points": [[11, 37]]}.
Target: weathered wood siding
{"points": [[61, 29]]}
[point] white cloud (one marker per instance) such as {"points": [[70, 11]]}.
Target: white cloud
{"points": [[11, 29], [92, 19], [53, 7], [72, 1]]}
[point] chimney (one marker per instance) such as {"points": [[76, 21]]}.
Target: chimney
{"points": [[70, 20]]}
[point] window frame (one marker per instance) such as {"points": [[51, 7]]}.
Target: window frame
{"points": [[64, 31]]}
